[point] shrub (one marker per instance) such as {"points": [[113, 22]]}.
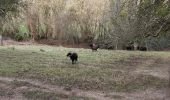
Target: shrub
{"points": [[22, 32], [159, 43], [21, 36]]}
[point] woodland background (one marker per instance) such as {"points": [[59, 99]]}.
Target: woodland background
{"points": [[113, 24]]}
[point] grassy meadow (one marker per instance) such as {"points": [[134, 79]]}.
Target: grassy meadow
{"points": [[105, 71]]}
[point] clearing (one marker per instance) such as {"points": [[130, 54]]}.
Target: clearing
{"points": [[44, 73]]}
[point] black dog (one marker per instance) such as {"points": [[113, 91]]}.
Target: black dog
{"points": [[142, 48], [94, 47], [129, 48], [73, 57]]}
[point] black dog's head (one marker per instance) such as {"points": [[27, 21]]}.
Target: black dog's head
{"points": [[69, 54]]}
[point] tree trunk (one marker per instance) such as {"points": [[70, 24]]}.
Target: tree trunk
{"points": [[117, 7], [146, 43], [1, 39], [116, 44], [135, 46]]}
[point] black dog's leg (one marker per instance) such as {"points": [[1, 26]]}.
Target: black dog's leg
{"points": [[72, 61]]}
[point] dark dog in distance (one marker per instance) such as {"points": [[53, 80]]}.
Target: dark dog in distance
{"points": [[73, 57], [142, 48], [94, 47]]}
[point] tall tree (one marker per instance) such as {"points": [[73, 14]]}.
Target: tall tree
{"points": [[139, 19]]}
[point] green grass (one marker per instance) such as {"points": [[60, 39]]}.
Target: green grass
{"points": [[103, 70]]}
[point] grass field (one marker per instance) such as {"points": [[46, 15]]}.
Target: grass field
{"points": [[37, 72]]}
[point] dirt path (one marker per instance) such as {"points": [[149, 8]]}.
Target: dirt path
{"points": [[49, 42], [141, 95], [54, 88], [151, 67]]}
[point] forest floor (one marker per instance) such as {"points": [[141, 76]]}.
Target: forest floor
{"points": [[31, 72], [49, 42]]}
